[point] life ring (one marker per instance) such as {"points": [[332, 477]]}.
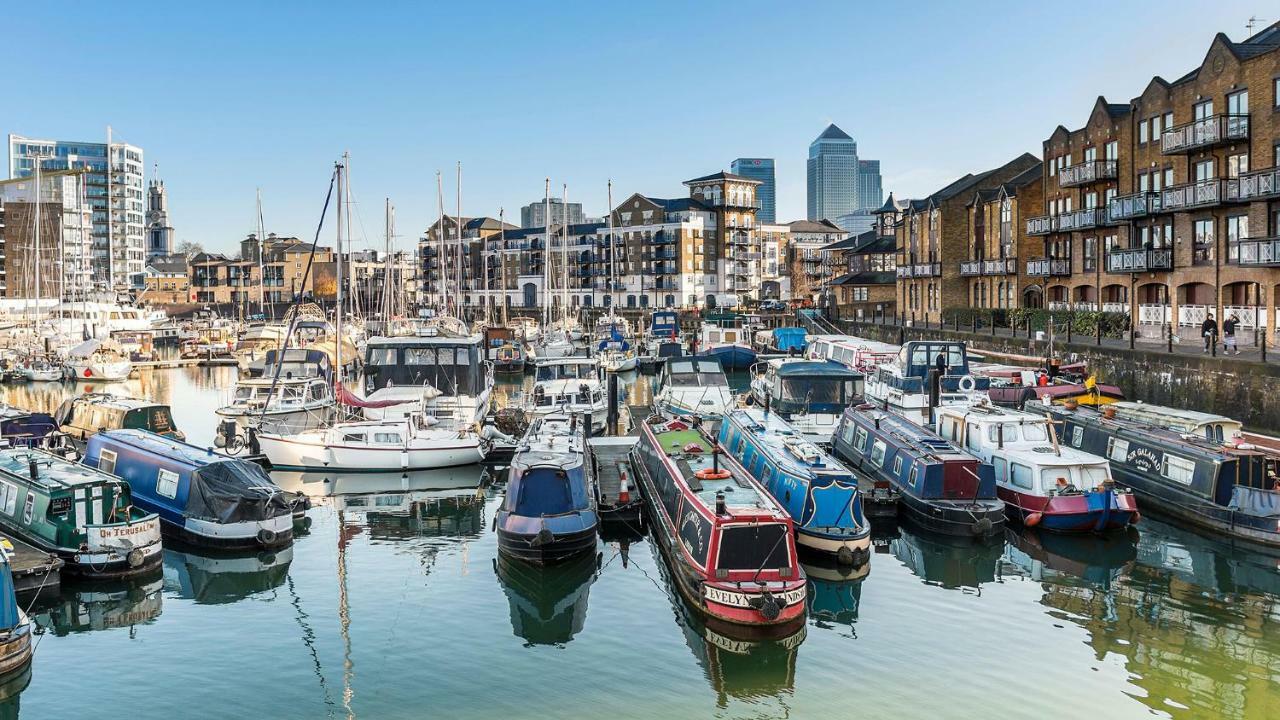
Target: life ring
{"points": [[711, 474], [967, 383], [266, 536]]}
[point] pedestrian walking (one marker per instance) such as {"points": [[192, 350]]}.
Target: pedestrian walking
{"points": [[1229, 335], [1209, 329]]}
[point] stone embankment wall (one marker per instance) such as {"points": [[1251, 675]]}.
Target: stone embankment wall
{"points": [[1244, 390]]}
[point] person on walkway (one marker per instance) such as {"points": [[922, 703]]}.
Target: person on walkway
{"points": [[1229, 335], [1209, 329]]}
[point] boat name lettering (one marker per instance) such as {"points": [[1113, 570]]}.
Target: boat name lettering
{"points": [[1143, 458], [743, 600], [694, 520]]}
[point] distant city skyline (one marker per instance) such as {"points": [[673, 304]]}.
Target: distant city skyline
{"points": [[249, 99], [761, 169]]}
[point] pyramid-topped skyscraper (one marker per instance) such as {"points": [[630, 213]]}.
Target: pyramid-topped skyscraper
{"points": [[839, 183]]}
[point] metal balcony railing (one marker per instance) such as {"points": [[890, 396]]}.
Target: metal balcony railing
{"points": [[1205, 193], [971, 268], [1134, 260], [1205, 132], [1128, 207], [1257, 185], [1082, 219], [1041, 225], [1047, 267], [1086, 172], [1259, 252]]}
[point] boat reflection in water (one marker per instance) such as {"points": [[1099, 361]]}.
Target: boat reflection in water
{"points": [[224, 577], [834, 593], [103, 606], [328, 485], [738, 664], [1196, 623], [948, 562], [10, 690], [548, 602], [1097, 560]]}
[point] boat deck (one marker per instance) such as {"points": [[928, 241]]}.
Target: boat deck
{"points": [[610, 453], [35, 572], [737, 491]]}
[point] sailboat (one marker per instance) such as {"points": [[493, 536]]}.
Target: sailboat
{"points": [[558, 333], [616, 353]]}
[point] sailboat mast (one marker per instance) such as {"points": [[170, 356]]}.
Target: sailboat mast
{"points": [[351, 266], [564, 252], [262, 279], [546, 255], [457, 296], [111, 253], [441, 256], [613, 254], [337, 345], [502, 261], [36, 315]]}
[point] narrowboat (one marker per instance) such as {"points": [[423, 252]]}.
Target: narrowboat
{"points": [[502, 349], [728, 543], [855, 353], [549, 512], [786, 340], [1025, 392], [1042, 483], [203, 499], [810, 394], [1211, 427], [84, 515], [1223, 490], [693, 386], [903, 385], [15, 627], [23, 427], [724, 338], [819, 494], [82, 416], [942, 489]]}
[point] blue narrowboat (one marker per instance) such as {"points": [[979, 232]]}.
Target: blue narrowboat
{"points": [[942, 489], [820, 494], [549, 512], [202, 498], [1229, 491], [15, 627]]}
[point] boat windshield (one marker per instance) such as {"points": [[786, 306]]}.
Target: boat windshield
{"points": [[1035, 432], [452, 369], [695, 379], [543, 491], [818, 390], [752, 547], [567, 371]]}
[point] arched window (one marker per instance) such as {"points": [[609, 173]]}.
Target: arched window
{"points": [[670, 300]]}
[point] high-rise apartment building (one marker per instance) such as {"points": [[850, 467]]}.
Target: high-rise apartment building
{"points": [[114, 194], [766, 194], [535, 213], [839, 183]]}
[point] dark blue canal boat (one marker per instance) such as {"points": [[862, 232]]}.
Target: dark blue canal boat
{"points": [[940, 488], [202, 498], [23, 427], [549, 512], [1224, 490]]}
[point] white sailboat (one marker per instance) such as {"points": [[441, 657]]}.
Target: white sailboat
{"points": [[97, 361], [616, 353]]}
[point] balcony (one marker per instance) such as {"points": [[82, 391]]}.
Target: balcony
{"points": [[666, 268], [660, 238], [1081, 219], [1087, 172], [926, 270], [1002, 266], [1259, 252], [1129, 207], [1046, 267], [1257, 185], [1135, 260], [1042, 225], [904, 271], [971, 268], [1204, 133], [1205, 193]]}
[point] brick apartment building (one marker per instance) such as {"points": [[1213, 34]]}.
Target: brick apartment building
{"points": [[999, 245]]}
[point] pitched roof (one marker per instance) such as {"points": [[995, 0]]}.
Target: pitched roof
{"points": [[174, 264], [677, 204], [814, 226], [866, 278], [724, 176], [834, 133], [892, 206]]}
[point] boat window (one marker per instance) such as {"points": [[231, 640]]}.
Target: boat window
{"points": [[244, 393], [912, 479], [388, 437], [730, 336], [1096, 475], [167, 483], [1020, 476], [1035, 432], [1077, 436], [877, 453], [1213, 432], [973, 437], [293, 393], [381, 356], [897, 465], [28, 507], [542, 491], [860, 442], [1001, 467], [107, 461], [1117, 449], [1178, 469], [1049, 478], [356, 437], [813, 390], [8, 497], [753, 547]]}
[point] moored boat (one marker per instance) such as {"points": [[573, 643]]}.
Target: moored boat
{"points": [[202, 498], [15, 628], [820, 494], [97, 361], [728, 544], [503, 350], [81, 416], [569, 385], [24, 427], [724, 338], [292, 392], [942, 489], [810, 394], [693, 386], [401, 444], [903, 386], [549, 511], [1042, 483], [84, 515]]}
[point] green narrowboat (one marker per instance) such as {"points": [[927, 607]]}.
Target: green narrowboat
{"points": [[84, 515]]}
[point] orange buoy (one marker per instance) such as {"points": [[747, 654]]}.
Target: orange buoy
{"points": [[1033, 519], [88, 372], [711, 474]]}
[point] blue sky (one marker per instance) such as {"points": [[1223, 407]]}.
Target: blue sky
{"points": [[229, 97]]}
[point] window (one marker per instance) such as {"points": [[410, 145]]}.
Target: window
{"points": [[1237, 230], [1112, 150], [1168, 119], [107, 461], [1202, 250], [1077, 436], [877, 453], [1020, 476], [28, 506], [1203, 110], [1090, 253], [1237, 165], [167, 483], [1275, 92], [972, 437], [1156, 126], [8, 497], [1168, 176], [1178, 469], [1204, 170], [1142, 133], [897, 465], [1001, 468], [1117, 449], [1238, 103]]}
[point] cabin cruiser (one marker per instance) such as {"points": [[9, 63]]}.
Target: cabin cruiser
{"points": [[569, 385], [256, 340], [724, 338], [97, 361], [404, 443], [444, 375], [693, 386], [40, 369], [663, 338], [1042, 483], [549, 512], [292, 392], [855, 353], [99, 319], [902, 386], [810, 394]]}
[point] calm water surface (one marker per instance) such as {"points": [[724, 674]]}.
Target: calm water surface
{"points": [[394, 605]]}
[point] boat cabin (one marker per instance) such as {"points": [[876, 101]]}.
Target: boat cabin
{"points": [[805, 386], [664, 323], [691, 373], [1211, 427], [854, 353], [23, 427], [568, 368], [453, 365], [84, 415]]}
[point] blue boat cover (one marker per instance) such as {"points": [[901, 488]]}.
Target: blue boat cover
{"points": [[789, 338], [9, 617]]}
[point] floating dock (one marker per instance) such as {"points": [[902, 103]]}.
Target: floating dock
{"points": [[35, 572]]}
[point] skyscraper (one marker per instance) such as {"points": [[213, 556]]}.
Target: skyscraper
{"points": [[118, 234], [760, 169], [839, 184]]}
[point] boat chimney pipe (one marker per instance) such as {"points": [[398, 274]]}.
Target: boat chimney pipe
{"points": [[33, 469], [715, 461], [721, 509]]}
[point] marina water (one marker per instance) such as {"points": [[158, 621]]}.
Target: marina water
{"points": [[395, 606]]}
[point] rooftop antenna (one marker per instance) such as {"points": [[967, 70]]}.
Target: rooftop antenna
{"points": [[1253, 20]]}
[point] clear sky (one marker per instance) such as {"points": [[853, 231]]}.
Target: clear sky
{"points": [[228, 97]]}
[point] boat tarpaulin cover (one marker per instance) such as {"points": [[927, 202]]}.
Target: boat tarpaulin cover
{"points": [[348, 398], [1255, 501], [9, 617], [234, 491]]}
